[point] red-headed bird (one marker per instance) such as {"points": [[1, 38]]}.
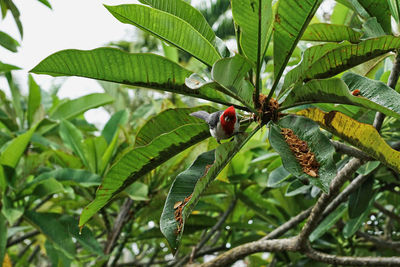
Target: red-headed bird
{"points": [[223, 124]]}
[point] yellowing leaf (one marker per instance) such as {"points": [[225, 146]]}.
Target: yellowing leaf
{"points": [[361, 135]]}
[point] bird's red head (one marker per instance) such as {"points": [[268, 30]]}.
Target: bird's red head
{"points": [[228, 120]]}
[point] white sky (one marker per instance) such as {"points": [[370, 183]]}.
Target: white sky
{"points": [[79, 24]]}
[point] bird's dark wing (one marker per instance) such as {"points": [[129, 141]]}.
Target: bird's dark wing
{"points": [[214, 118]]}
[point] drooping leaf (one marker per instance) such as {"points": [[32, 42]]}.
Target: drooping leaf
{"points": [[192, 183], [34, 99], [359, 200], [182, 188], [73, 138], [15, 12], [65, 176], [291, 20], [278, 177], [8, 42], [75, 107], [255, 25], [165, 26], [231, 73], [137, 161], [45, 2], [296, 188], [327, 60], [117, 120], [354, 224], [186, 12], [324, 32], [318, 144], [49, 224], [167, 121], [360, 135], [371, 94], [328, 222], [223, 155], [12, 154], [141, 70], [11, 213]]}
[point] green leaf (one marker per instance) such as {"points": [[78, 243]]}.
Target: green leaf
{"points": [[167, 121], [73, 139], [15, 149], [34, 99], [354, 224], [372, 28], [65, 176], [165, 26], [45, 2], [278, 177], [94, 149], [328, 222], [324, 32], [372, 94], [231, 74], [317, 142], [247, 14], [327, 60], [117, 120], [394, 7], [15, 12], [186, 12], [359, 200], [73, 108], [56, 257], [291, 20], [3, 237], [136, 162], [8, 42], [360, 135], [182, 188], [368, 167], [49, 224], [379, 9], [7, 67], [193, 182], [141, 70], [296, 188]]}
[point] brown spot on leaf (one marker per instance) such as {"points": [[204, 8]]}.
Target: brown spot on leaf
{"points": [[178, 207], [328, 117], [301, 151], [277, 18], [177, 204]]}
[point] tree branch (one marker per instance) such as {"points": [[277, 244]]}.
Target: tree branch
{"points": [[355, 261], [387, 212], [379, 241], [316, 214], [239, 252], [22, 238]]}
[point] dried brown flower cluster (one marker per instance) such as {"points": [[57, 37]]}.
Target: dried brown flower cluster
{"points": [[178, 207], [306, 158], [268, 111]]}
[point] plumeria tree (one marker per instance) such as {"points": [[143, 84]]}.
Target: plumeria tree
{"points": [[311, 177]]}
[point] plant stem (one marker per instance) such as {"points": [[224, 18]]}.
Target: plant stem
{"points": [[256, 96]]}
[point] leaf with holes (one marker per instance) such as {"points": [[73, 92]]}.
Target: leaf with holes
{"points": [[171, 139], [141, 70], [306, 152], [165, 26], [360, 135]]}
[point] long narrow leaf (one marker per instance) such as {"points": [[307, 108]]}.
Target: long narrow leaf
{"points": [[324, 32], [361, 135], [141, 70], [165, 26]]}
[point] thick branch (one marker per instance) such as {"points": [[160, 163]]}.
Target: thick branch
{"points": [[355, 261], [121, 219], [22, 238], [323, 201], [239, 252]]}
